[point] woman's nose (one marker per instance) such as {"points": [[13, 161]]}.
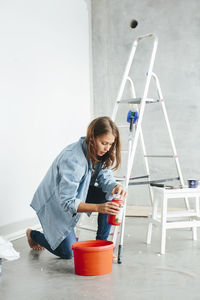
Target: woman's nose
{"points": [[107, 148]]}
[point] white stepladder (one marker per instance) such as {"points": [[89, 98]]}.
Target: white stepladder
{"points": [[134, 135]]}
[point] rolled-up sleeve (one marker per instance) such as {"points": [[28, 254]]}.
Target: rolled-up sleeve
{"points": [[70, 174], [106, 181]]}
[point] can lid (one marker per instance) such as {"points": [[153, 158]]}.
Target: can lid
{"points": [[117, 197]]}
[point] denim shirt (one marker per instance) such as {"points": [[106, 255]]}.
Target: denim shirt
{"points": [[65, 185]]}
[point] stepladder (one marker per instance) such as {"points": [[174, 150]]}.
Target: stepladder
{"points": [[135, 118]]}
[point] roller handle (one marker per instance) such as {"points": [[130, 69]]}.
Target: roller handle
{"points": [[119, 254]]}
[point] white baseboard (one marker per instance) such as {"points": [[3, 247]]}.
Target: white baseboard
{"points": [[17, 230], [21, 233]]}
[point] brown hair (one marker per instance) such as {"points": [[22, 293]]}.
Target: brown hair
{"points": [[98, 127]]}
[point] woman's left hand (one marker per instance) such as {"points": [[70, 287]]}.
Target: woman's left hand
{"points": [[119, 190]]}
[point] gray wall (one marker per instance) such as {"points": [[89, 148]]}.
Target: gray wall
{"points": [[176, 23]]}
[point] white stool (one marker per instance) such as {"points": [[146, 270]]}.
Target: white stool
{"points": [[174, 219]]}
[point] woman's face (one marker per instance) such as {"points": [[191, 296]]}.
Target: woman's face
{"points": [[103, 143]]}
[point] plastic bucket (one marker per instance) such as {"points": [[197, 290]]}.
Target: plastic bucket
{"points": [[93, 257]]}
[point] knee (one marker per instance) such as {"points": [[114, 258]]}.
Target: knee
{"points": [[65, 252], [67, 255]]}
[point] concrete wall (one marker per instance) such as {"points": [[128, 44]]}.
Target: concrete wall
{"points": [[44, 96], [176, 23]]}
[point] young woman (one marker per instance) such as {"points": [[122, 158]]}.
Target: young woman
{"points": [[69, 188]]}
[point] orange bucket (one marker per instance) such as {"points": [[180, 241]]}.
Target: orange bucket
{"points": [[93, 257]]}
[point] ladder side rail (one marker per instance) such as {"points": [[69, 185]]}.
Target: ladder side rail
{"points": [[130, 138], [130, 145], [131, 153], [133, 93], [138, 128], [170, 134], [168, 127], [135, 141], [143, 147], [124, 78], [127, 69], [143, 102], [146, 165], [130, 141], [122, 227]]}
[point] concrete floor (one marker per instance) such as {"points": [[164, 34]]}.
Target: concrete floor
{"points": [[144, 273]]}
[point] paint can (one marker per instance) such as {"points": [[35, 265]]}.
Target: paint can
{"points": [[117, 219]]}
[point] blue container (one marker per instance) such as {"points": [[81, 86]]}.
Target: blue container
{"points": [[193, 183]]}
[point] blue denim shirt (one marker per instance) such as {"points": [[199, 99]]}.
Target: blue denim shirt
{"points": [[65, 185]]}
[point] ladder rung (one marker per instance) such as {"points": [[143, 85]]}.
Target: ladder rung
{"points": [[139, 177], [132, 178], [168, 156], [123, 126], [154, 182], [120, 178], [130, 101], [151, 100], [137, 101]]}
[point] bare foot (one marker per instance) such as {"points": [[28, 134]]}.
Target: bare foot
{"points": [[33, 245], [114, 258]]}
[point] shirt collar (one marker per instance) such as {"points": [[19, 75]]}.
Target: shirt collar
{"points": [[85, 151]]}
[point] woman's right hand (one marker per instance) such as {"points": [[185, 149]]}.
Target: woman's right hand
{"points": [[110, 208]]}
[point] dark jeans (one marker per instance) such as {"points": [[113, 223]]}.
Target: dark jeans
{"points": [[64, 250]]}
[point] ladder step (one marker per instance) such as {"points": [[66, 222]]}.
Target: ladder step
{"points": [[168, 156], [123, 126], [131, 178], [154, 182], [130, 101], [137, 101], [119, 178], [139, 177]]}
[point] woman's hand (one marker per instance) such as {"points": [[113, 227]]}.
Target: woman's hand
{"points": [[110, 208], [119, 190]]}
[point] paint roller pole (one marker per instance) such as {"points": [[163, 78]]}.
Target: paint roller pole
{"points": [[131, 120], [120, 248]]}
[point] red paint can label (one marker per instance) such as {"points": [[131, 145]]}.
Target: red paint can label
{"points": [[117, 219]]}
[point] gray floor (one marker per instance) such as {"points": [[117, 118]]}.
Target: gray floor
{"points": [[144, 274]]}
